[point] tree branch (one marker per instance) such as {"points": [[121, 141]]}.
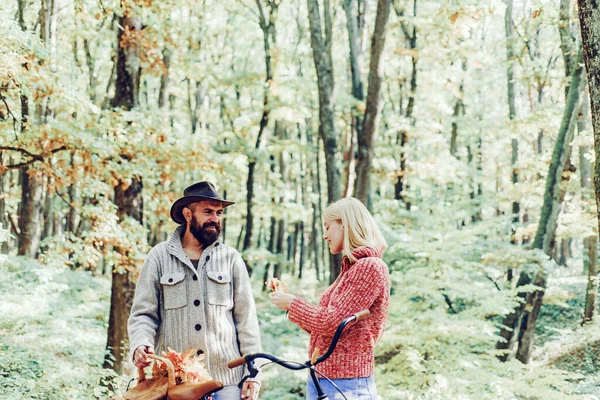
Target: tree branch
{"points": [[495, 283], [34, 157], [11, 114]]}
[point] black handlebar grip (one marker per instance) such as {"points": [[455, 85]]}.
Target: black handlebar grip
{"points": [[238, 362], [362, 314]]}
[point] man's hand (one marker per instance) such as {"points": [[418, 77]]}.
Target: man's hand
{"points": [[140, 356], [282, 300], [250, 390]]}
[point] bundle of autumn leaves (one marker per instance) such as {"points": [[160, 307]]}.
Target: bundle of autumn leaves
{"points": [[275, 285], [187, 364]]}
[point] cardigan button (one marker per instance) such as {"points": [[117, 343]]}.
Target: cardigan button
{"points": [[170, 280], [196, 303], [195, 277], [207, 258], [198, 327]]}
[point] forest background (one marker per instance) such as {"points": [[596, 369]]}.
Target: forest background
{"points": [[466, 127]]}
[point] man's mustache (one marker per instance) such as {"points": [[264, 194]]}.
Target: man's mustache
{"points": [[206, 225]]}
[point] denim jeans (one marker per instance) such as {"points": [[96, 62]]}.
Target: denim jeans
{"points": [[354, 388], [228, 393]]}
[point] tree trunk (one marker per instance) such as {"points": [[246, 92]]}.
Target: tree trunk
{"points": [[4, 224], [302, 250], [271, 248], [534, 300], [30, 212], [193, 105], [458, 111], [20, 14], [321, 47], [589, 18], [355, 25], [240, 236], [559, 171], [562, 150], [163, 94], [269, 42], [512, 110], [73, 216], [477, 190], [568, 49], [567, 41], [128, 65], [366, 142], [325, 81], [590, 243], [293, 246], [565, 251], [545, 234], [48, 215], [314, 242], [129, 203], [401, 185], [279, 248], [591, 292], [281, 199], [128, 199], [316, 205], [29, 228], [224, 220], [92, 81]]}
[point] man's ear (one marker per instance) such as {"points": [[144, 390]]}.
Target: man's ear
{"points": [[187, 214]]}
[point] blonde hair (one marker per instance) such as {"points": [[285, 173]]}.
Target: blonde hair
{"points": [[360, 228]]}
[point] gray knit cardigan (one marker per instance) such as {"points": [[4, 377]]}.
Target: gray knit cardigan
{"points": [[211, 309]]}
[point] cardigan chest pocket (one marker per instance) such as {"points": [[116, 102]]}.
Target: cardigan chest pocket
{"points": [[218, 288], [174, 290]]}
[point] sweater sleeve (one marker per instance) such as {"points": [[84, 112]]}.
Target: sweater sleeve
{"points": [[357, 291], [244, 309], [144, 318]]}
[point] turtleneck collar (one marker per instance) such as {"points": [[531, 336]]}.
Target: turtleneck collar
{"points": [[361, 252]]}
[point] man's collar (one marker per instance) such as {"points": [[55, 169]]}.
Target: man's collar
{"points": [[176, 244]]}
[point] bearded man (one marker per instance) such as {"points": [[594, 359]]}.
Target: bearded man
{"points": [[194, 292]]}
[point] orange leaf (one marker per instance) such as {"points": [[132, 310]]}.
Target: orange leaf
{"points": [[454, 17]]}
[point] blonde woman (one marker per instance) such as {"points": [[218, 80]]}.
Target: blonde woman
{"points": [[363, 283]]}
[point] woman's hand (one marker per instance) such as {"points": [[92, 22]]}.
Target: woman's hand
{"points": [[282, 300]]}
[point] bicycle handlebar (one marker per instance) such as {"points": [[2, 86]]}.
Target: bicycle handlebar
{"points": [[249, 358], [238, 362], [362, 314]]}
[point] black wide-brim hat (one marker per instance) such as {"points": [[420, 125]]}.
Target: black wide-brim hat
{"points": [[192, 194]]}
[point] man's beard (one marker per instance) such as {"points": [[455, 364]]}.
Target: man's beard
{"points": [[203, 234]]}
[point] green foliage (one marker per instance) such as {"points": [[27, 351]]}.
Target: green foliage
{"points": [[53, 332], [449, 294]]}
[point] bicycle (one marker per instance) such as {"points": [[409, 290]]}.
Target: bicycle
{"points": [[249, 359]]}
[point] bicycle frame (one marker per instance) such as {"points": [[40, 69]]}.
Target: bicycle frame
{"points": [[249, 359]]}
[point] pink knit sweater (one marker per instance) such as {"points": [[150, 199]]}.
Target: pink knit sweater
{"points": [[364, 284]]}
